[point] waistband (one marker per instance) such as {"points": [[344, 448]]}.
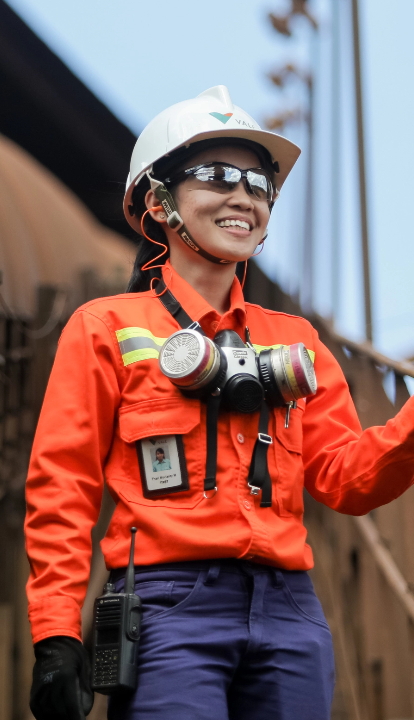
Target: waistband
{"points": [[246, 567]]}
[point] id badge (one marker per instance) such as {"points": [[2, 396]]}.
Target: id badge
{"points": [[162, 465]]}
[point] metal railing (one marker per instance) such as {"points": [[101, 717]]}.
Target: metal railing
{"points": [[364, 566]]}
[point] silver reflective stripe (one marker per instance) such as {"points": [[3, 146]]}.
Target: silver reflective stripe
{"points": [[137, 343]]}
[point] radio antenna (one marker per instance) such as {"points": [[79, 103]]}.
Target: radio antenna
{"points": [[130, 573]]}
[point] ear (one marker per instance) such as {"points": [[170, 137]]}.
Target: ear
{"points": [[152, 202]]}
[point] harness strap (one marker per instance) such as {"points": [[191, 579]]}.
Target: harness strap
{"points": [[175, 221], [259, 478]]}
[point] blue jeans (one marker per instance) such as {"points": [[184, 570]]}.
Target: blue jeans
{"points": [[229, 640]]}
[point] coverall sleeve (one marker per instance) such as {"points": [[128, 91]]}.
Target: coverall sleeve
{"points": [[352, 471], [65, 480]]}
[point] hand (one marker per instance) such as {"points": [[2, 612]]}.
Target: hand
{"points": [[61, 688]]}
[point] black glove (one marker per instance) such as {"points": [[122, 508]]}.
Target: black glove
{"points": [[61, 687]]}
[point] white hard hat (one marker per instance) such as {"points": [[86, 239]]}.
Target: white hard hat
{"points": [[208, 116]]}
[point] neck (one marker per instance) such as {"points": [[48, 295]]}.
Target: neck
{"points": [[213, 282]]}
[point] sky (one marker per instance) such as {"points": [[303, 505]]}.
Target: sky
{"points": [[139, 57]]}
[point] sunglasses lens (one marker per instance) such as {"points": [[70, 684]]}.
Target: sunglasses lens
{"points": [[220, 178], [224, 178], [260, 185]]}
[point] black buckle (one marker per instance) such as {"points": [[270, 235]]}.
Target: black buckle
{"points": [[195, 326], [254, 490], [266, 439]]}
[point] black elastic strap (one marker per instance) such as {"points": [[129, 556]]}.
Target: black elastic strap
{"points": [[213, 407], [259, 473], [173, 306], [213, 401]]}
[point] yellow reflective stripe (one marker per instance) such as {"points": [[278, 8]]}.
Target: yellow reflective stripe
{"points": [[151, 353], [136, 355], [132, 332], [137, 344], [259, 348]]}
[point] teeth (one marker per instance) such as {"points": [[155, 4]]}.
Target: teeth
{"points": [[234, 223]]}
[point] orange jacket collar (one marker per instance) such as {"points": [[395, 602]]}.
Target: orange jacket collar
{"points": [[199, 309]]}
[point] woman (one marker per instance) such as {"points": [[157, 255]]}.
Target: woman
{"points": [[231, 625]]}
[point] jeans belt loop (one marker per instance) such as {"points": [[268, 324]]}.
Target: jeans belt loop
{"points": [[213, 573], [278, 579]]}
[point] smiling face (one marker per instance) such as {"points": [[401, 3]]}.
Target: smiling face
{"points": [[228, 225]]}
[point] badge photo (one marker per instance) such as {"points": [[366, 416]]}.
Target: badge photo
{"points": [[162, 465]]}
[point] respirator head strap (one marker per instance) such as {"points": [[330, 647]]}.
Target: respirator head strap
{"points": [[175, 309], [213, 407], [175, 221], [259, 478], [214, 400]]}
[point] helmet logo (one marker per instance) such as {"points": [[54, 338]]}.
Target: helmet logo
{"points": [[223, 118]]}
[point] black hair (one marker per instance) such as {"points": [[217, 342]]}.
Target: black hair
{"points": [[140, 280], [160, 450]]}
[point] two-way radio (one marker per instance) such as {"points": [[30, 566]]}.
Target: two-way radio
{"points": [[116, 633]]}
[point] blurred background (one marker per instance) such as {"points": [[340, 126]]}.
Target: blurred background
{"points": [[78, 82]]}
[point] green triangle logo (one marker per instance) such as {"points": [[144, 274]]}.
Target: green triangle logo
{"points": [[223, 118]]}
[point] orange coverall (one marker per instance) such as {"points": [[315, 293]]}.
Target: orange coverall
{"points": [[106, 391]]}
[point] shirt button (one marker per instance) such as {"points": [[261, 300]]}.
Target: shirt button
{"points": [[240, 438], [246, 504], [214, 325], [249, 557]]}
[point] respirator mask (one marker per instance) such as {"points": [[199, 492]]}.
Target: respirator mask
{"points": [[228, 368]]}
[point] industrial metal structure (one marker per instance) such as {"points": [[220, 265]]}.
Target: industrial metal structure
{"points": [[63, 160], [50, 113], [54, 256]]}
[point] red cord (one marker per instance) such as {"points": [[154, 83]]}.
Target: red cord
{"points": [[244, 274], [258, 253], [245, 263], [147, 265]]}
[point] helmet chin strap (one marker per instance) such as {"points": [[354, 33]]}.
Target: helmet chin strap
{"points": [[176, 223]]}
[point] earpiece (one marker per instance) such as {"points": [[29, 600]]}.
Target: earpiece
{"points": [[158, 208]]}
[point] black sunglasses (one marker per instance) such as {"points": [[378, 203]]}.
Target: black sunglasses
{"points": [[222, 177]]}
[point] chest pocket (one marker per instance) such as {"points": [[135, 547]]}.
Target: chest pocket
{"points": [[288, 446], [154, 418]]}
